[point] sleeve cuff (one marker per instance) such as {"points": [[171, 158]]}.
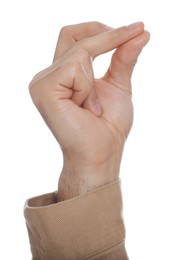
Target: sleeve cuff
{"points": [[78, 228]]}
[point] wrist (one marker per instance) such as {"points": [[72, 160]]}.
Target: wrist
{"points": [[78, 178]]}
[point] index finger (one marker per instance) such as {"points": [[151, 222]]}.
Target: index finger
{"points": [[72, 33], [112, 39]]}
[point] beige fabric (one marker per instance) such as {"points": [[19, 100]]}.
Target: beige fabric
{"points": [[85, 227]]}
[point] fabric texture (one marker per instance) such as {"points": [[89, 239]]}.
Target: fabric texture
{"points": [[89, 226]]}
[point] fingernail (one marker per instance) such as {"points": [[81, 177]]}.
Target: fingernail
{"points": [[135, 25]]}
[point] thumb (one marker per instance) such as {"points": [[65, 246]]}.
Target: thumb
{"points": [[124, 60]]}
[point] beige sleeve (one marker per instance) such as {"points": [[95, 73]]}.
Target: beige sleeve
{"points": [[85, 227]]}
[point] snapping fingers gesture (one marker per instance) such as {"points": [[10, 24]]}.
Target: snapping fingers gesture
{"points": [[90, 118]]}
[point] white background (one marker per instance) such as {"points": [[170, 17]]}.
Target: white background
{"points": [[30, 159]]}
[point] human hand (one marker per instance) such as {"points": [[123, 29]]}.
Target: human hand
{"points": [[90, 118]]}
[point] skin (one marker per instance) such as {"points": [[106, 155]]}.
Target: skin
{"points": [[90, 118]]}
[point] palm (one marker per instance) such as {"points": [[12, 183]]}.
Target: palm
{"points": [[95, 138]]}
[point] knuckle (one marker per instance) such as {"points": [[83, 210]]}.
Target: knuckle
{"points": [[65, 30], [95, 28], [36, 89], [97, 24]]}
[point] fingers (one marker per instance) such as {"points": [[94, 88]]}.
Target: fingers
{"points": [[124, 60], [71, 78], [69, 81], [73, 33], [92, 103], [88, 99], [73, 72], [81, 88], [96, 41], [112, 39]]}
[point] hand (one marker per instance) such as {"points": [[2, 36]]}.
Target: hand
{"points": [[90, 118]]}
